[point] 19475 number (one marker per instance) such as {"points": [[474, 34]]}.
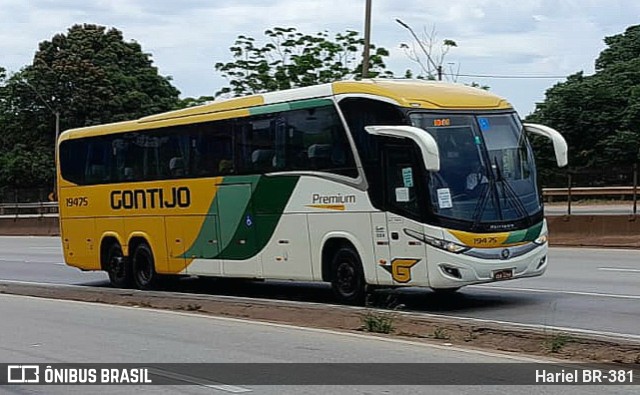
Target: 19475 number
{"points": [[81, 201]]}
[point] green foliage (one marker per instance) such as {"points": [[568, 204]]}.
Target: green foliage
{"points": [[441, 334], [292, 59], [556, 342], [192, 101], [599, 115], [89, 75], [377, 323], [93, 76], [26, 166]]}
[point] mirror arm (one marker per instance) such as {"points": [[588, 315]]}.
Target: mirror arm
{"points": [[427, 144], [559, 143]]}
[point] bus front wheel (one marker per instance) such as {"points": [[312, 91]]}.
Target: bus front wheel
{"points": [[143, 267], [118, 268], [347, 278]]}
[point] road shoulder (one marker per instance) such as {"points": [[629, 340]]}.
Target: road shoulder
{"points": [[433, 329]]}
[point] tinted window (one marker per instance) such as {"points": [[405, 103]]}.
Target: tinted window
{"points": [[301, 140], [310, 139], [366, 112], [73, 156], [313, 139]]}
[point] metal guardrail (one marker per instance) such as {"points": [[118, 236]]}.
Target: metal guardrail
{"points": [[549, 193], [589, 191], [49, 208], [22, 209]]}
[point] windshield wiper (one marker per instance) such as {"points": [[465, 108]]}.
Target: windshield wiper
{"points": [[489, 192], [507, 191]]}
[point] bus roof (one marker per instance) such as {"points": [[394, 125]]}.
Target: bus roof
{"points": [[432, 95]]}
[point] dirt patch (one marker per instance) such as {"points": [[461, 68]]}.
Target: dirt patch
{"points": [[416, 326]]}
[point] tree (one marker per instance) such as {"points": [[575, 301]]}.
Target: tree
{"points": [[599, 115], [93, 76], [423, 52], [428, 53], [24, 162], [292, 59], [89, 75], [194, 101]]}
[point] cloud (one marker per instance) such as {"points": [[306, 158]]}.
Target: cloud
{"points": [[527, 37]]}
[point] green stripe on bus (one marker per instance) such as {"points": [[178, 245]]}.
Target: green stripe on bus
{"points": [[297, 105], [261, 217], [533, 232], [524, 235], [516, 236], [222, 224]]}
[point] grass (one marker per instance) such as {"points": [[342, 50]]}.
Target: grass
{"points": [[555, 343], [377, 323], [441, 334]]}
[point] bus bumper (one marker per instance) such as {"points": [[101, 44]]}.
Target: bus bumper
{"points": [[449, 270]]}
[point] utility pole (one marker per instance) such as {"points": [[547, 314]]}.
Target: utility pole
{"points": [[56, 113], [367, 39]]}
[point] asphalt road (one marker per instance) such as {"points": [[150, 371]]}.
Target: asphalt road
{"points": [[583, 289], [53, 331]]}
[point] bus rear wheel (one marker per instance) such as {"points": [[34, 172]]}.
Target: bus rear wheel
{"points": [[143, 267], [347, 277], [118, 268]]}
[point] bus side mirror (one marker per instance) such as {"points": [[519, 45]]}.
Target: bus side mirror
{"points": [[427, 144], [559, 143]]}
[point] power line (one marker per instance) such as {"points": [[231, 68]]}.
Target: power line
{"points": [[512, 76]]}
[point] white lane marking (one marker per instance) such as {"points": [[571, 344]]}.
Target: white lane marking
{"points": [[556, 291], [29, 261], [618, 269], [565, 329], [46, 248], [202, 382]]}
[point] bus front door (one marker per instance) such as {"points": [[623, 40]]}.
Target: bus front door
{"points": [[407, 263]]}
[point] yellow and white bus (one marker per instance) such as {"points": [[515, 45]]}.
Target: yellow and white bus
{"points": [[359, 183]]}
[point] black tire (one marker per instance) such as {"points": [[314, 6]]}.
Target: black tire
{"points": [[143, 267], [118, 267], [347, 278]]}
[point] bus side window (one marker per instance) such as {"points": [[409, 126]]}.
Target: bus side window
{"points": [[97, 169], [316, 140], [358, 113], [254, 145], [73, 156]]}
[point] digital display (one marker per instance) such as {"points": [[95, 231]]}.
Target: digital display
{"points": [[442, 122]]}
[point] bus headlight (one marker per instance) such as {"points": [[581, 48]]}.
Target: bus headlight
{"points": [[541, 239], [438, 243], [453, 247]]}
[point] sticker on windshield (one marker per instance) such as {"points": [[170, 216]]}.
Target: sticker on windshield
{"points": [[444, 198], [402, 195], [407, 177], [484, 124]]}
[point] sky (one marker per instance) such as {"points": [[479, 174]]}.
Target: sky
{"points": [[500, 38]]}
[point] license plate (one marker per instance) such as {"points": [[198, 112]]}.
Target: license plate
{"points": [[503, 274]]}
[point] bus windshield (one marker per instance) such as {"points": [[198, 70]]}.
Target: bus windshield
{"points": [[487, 173]]}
